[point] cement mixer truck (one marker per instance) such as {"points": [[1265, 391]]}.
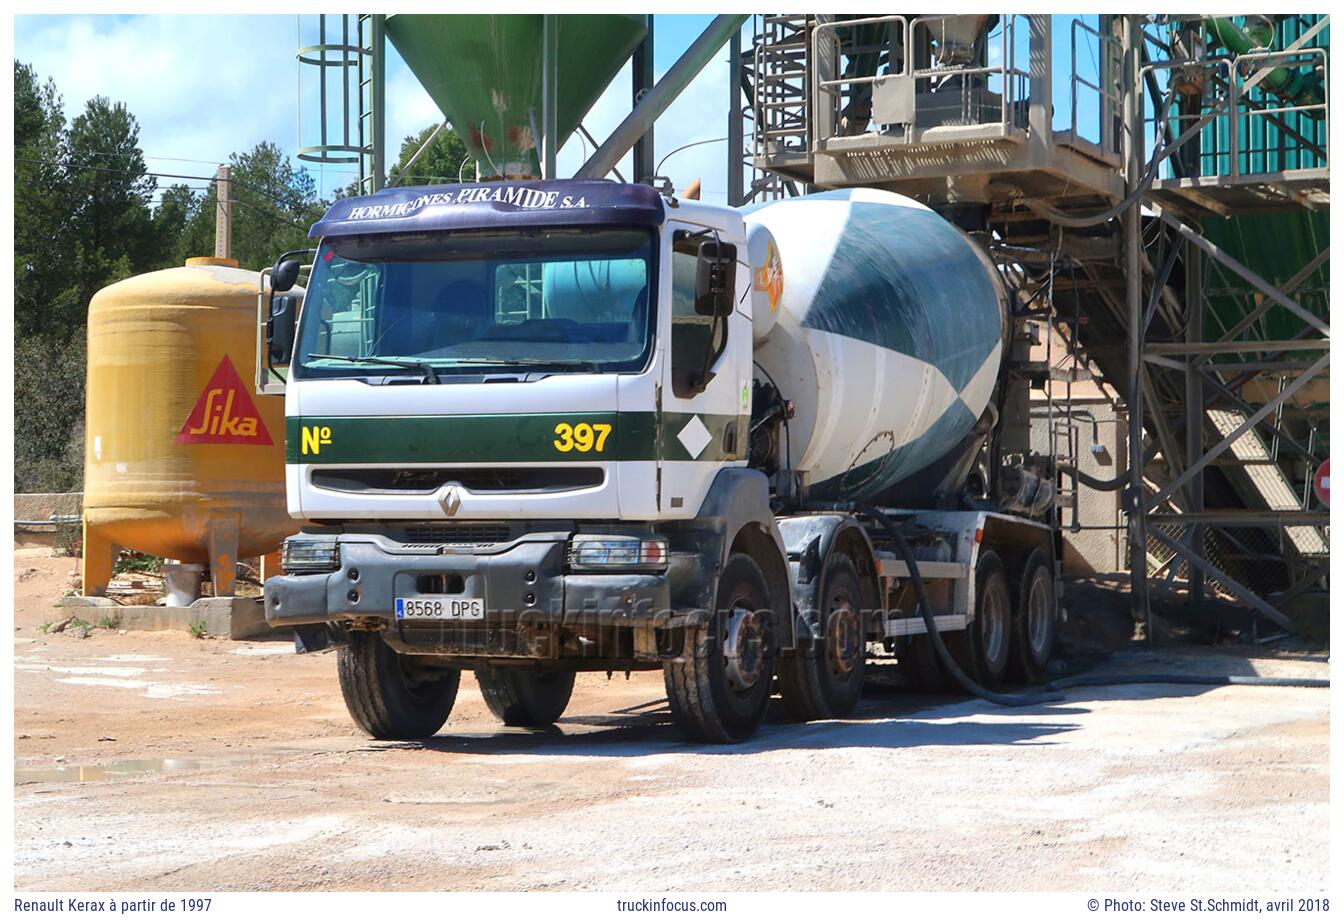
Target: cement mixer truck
{"points": [[536, 428]]}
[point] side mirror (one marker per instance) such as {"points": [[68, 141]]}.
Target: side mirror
{"points": [[714, 278], [280, 327], [284, 276]]}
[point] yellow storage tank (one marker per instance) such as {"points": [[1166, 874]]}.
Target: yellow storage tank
{"points": [[182, 458]]}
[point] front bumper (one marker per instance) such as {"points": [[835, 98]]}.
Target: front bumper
{"points": [[534, 607]]}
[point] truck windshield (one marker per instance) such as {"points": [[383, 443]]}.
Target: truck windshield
{"points": [[551, 299]]}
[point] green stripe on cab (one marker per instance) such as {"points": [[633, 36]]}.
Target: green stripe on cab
{"points": [[567, 437]]}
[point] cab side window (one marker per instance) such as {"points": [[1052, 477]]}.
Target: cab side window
{"points": [[697, 341]]}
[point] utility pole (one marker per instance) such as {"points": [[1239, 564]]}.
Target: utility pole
{"points": [[223, 214]]}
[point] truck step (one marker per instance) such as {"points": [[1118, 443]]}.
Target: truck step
{"points": [[888, 566], [914, 626]]}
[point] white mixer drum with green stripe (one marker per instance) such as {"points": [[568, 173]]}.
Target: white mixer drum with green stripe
{"points": [[885, 325]]}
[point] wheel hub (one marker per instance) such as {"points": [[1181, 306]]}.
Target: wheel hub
{"points": [[842, 640], [743, 648]]}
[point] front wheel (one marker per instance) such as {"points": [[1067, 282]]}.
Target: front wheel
{"points": [[523, 698], [719, 686], [393, 696], [825, 680]]}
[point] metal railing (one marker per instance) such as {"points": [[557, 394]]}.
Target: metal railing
{"points": [[781, 90], [1107, 91], [838, 96], [1251, 132]]}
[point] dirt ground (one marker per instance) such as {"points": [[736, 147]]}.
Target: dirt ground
{"points": [[157, 761]]}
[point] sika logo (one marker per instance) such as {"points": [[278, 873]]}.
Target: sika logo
{"points": [[224, 413]]}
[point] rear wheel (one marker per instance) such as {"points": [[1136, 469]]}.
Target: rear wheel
{"points": [[825, 680], [1034, 618], [394, 696], [525, 698], [719, 686], [981, 650]]}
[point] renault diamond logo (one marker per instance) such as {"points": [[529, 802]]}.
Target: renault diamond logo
{"points": [[451, 500]]}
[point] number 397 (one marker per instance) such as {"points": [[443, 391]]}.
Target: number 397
{"points": [[583, 437]]}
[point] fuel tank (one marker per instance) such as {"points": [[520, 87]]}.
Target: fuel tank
{"points": [[883, 323]]}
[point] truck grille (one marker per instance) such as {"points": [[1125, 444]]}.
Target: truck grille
{"points": [[475, 479], [466, 533]]}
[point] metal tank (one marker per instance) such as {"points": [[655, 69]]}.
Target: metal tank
{"points": [[883, 323], [484, 73], [181, 458]]}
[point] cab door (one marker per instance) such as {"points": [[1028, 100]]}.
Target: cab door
{"points": [[705, 404]]}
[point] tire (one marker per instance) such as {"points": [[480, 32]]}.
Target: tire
{"points": [[393, 696], [1035, 618], [826, 682], [525, 698], [982, 649], [715, 697]]}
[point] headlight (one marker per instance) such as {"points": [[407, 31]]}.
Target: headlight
{"points": [[306, 555], [643, 554]]}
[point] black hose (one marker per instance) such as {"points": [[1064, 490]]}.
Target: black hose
{"points": [[1030, 698], [1053, 691], [1104, 485]]}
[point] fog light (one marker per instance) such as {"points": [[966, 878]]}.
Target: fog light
{"points": [[306, 555], [593, 552]]}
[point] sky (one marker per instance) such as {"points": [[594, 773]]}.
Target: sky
{"points": [[205, 86]]}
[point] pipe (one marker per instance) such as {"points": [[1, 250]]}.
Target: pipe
{"points": [[656, 100], [1297, 85], [415, 157]]}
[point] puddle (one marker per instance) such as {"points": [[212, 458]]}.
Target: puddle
{"points": [[119, 770]]}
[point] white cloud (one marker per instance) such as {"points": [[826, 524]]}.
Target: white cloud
{"points": [[186, 79]]}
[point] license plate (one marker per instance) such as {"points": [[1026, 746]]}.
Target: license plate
{"points": [[440, 608]]}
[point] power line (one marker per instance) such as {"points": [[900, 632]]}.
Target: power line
{"points": [[162, 175], [275, 217]]}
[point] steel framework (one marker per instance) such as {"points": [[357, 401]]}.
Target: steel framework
{"points": [[1103, 218]]}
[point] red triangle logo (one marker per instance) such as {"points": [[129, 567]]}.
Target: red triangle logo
{"points": [[224, 413]]}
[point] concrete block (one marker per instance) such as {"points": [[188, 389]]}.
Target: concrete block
{"points": [[234, 617], [246, 617]]}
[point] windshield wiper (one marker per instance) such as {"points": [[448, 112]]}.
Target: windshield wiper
{"points": [[523, 362], [425, 368]]}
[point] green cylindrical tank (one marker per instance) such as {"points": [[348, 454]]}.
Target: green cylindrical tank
{"points": [[484, 72]]}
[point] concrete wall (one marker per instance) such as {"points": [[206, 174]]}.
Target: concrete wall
{"points": [[42, 506]]}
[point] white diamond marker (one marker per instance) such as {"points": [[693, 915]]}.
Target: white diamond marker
{"points": [[694, 437]]}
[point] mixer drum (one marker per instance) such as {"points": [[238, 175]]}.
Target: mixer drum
{"points": [[883, 323]]}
